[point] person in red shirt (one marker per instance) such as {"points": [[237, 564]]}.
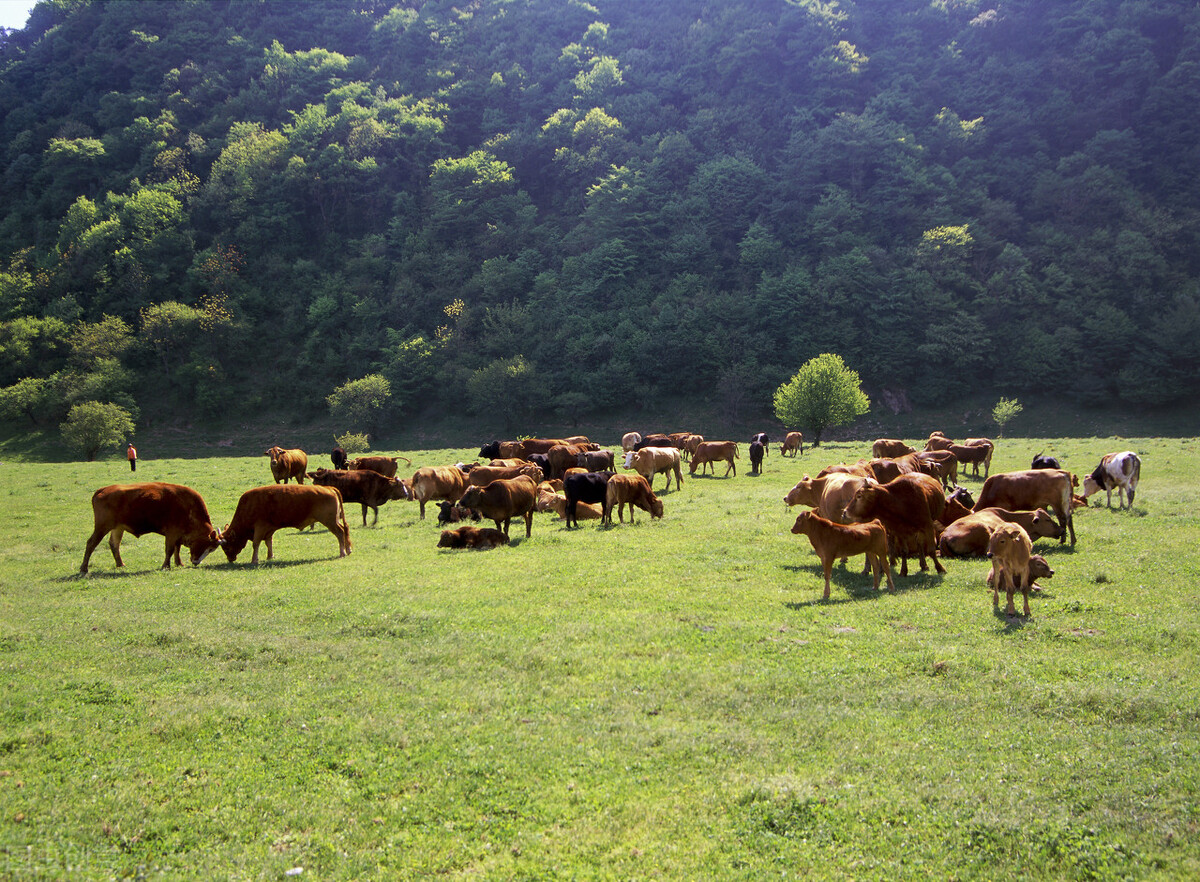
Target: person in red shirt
{"points": [[132, 455]]}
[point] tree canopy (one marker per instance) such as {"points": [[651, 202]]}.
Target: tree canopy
{"points": [[823, 393], [960, 198]]}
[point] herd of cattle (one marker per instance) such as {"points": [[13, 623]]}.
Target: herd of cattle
{"points": [[900, 503]]}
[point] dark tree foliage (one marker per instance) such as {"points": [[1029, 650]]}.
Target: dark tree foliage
{"points": [[621, 199]]}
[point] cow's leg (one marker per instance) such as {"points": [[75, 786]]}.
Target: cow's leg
{"points": [[827, 567], [422, 503], [529, 523], [114, 544], [172, 547], [92, 542], [1025, 592]]}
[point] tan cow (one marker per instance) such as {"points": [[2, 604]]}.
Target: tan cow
{"points": [[890, 447], [174, 511], [263, 510], [481, 476], [287, 464], [793, 442], [709, 452], [385, 465], [832, 541], [829, 494], [649, 461], [633, 490], [431, 483], [1009, 550]]}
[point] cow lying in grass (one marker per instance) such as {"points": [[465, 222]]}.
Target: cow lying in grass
{"points": [[468, 536]]}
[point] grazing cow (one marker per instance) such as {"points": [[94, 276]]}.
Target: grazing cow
{"points": [[174, 511], [831, 541], [562, 457], [590, 487], [689, 446], [968, 536], [974, 455], [338, 457], [452, 513], [431, 483], [1030, 490], [1039, 568], [757, 449], [793, 442], [1009, 550], [467, 536], [504, 499], [711, 452], [1045, 462], [481, 476], [367, 487], [761, 438], [649, 461], [890, 447], [634, 490], [938, 441], [907, 508], [491, 450], [385, 465], [629, 439], [263, 510], [1119, 470], [595, 460], [287, 464]]}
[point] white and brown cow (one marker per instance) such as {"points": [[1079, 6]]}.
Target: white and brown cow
{"points": [[1116, 470]]}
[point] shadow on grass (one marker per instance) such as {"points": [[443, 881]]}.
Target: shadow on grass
{"points": [[854, 585]]}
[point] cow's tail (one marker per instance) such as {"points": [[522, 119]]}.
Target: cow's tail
{"points": [[1135, 477], [341, 519]]}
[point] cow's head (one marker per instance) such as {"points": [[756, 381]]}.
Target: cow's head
{"points": [[1043, 526], [205, 547], [231, 544]]}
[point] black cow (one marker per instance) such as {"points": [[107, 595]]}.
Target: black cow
{"points": [[756, 455], [657, 440], [490, 451], [1045, 462], [338, 455], [762, 439], [590, 487], [541, 460]]}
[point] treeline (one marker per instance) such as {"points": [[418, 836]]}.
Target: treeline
{"points": [[526, 207]]}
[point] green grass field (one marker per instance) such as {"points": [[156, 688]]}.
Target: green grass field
{"points": [[666, 700]]}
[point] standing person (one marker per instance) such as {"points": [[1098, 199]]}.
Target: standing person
{"points": [[131, 453]]}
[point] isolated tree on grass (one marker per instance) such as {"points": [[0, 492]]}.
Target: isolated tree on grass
{"points": [[1005, 410], [93, 425], [823, 393], [360, 402]]}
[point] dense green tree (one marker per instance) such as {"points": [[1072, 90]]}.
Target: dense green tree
{"points": [[823, 393], [92, 426], [360, 403]]}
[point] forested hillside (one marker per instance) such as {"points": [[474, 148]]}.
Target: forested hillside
{"points": [[538, 207]]}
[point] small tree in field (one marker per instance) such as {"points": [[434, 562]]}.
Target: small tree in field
{"points": [[353, 443], [823, 393], [1005, 410], [360, 402], [93, 425]]}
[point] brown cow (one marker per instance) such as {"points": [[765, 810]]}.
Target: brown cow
{"points": [[431, 483], [1009, 550], [890, 447], [793, 442], [595, 460], [1039, 568], [968, 536], [938, 441], [172, 510], [907, 507], [942, 464], [649, 461], [974, 455], [529, 446], [504, 499], [367, 487], [561, 458], [634, 490], [467, 536], [385, 465], [481, 476], [1030, 490], [710, 452], [263, 510], [831, 541], [287, 464]]}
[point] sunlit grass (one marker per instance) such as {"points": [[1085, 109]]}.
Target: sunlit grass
{"points": [[671, 699]]}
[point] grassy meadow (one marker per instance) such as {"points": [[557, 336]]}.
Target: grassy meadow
{"points": [[665, 700]]}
